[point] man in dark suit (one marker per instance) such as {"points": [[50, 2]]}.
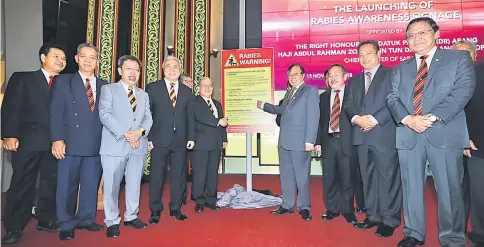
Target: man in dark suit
{"points": [[374, 135], [299, 128], [75, 131], [207, 123], [474, 161], [334, 140], [25, 131], [188, 81], [168, 138], [427, 100]]}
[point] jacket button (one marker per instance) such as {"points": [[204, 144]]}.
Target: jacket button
{"points": [[75, 114], [77, 126], [74, 102]]}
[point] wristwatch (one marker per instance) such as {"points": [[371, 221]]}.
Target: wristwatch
{"points": [[143, 131], [433, 118]]}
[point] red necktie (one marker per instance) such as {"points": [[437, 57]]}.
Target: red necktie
{"points": [[90, 96], [335, 112], [419, 86], [51, 79]]}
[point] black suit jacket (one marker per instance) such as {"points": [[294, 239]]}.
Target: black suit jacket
{"points": [[208, 136], [170, 128], [25, 110], [344, 126], [475, 113], [373, 103]]}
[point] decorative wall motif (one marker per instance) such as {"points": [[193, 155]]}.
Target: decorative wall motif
{"points": [[107, 38], [181, 27], [153, 40], [135, 28], [200, 41], [91, 9]]}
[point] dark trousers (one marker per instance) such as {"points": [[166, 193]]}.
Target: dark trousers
{"points": [[357, 182], [159, 158], [81, 175], [337, 187], [189, 177], [205, 176], [466, 193], [20, 196], [475, 166]]}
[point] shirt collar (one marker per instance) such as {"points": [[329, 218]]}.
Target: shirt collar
{"points": [[373, 71], [430, 54], [298, 86], [46, 74], [206, 99], [84, 77], [125, 85], [340, 90], [169, 84]]}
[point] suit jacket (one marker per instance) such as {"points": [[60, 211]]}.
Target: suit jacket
{"points": [[299, 118], [71, 118], [278, 117], [25, 110], [208, 135], [450, 83], [117, 118], [474, 113], [170, 126], [344, 125], [373, 103]]}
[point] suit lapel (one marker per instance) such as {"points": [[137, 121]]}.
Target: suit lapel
{"points": [[123, 96], [205, 105], [298, 92], [376, 80], [42, 83], [79, 90], [436, 61], [98, 92]]}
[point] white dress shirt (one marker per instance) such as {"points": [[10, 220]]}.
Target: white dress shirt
{"points": [[46, 74], [215, 112], [331, 100], [373, 72], [126, 88], [168, 87], [92, 81]]}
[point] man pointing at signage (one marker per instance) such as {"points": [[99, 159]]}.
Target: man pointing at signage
{"points": [[299, 127]]}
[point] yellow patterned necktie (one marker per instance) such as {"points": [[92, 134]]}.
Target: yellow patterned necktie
{"points": [[172, 94], [132, 99], [211, 107]]}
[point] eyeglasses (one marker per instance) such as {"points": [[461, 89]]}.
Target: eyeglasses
{"points": [[420, 34], [206, 86], [294, 74], [131, 69], [366, 54]]}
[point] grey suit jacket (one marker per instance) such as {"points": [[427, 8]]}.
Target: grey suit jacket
{"points": [[117, 117], [299, 118], [450, 83]]}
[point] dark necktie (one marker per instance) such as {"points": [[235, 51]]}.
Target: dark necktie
{"points": [[419, 85], [335, 112], [211, 107], [291, 94], [90, 96], [51, 79], [131, 98], [172, 94]]}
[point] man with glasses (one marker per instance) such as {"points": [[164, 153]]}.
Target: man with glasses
{"points": [[427, 100], [299, 128], [75, 131]]}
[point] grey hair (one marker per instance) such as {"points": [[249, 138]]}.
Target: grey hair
{"points": [[88, 45], [125, 58], [170, 58], [183, 76], [470, 43]]}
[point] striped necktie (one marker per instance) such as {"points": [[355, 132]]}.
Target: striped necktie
{"points": [[368, 81], [211, 107], [419, 85], [90, 96], [131, 98], [335, 112], [172, 94]]}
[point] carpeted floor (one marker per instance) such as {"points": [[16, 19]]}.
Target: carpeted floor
{"points": [[238, 228]]}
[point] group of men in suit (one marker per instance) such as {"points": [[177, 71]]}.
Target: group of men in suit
{"points": [[390, 121], [75, 127]]}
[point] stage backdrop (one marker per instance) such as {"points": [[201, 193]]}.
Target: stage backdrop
{"points": [[318, 33]]}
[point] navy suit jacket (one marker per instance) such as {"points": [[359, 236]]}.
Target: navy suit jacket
{"points": [[71, 118]]}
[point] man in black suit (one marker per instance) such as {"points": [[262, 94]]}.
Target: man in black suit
{"points": [[374, 134], [25, 131], [474, 161], [75, 131], [334, 138], [207, 123], [188, 81], [168, 138]]}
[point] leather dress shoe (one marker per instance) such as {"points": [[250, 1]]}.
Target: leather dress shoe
{"points": [[328, 215], [476, 238], [366, 224], [12, 237], [360, 209], [281, 210], [350, 218], [212, 206], [136, 224], [92, 227], [155, 217], [178, 215], [384, 230], [48, 226], [66, 234], [199, 208], [113, 231], [410, 242], [305, 214]]}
